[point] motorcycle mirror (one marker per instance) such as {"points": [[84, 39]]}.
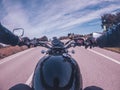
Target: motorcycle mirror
{"points": [[18, 31], [20, 87]]}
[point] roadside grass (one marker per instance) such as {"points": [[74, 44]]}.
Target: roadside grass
{"points": [[114, 49], [7, 51]]}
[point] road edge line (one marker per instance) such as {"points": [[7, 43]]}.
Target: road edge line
{"points": [[111, 59], [28, 82]]}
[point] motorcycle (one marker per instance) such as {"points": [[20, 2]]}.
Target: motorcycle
{"points": [[57, 70]]}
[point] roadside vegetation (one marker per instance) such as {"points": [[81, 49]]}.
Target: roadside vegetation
{"points": [[9, 50], [114, 49], [111, 33]]}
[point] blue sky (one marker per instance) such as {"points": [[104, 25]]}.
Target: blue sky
{"points": [[55, 17]]}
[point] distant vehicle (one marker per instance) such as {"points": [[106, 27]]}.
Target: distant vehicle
{"points": [[34, 42], [90, 42], [26, 41], [44, 38], [79, 41]]}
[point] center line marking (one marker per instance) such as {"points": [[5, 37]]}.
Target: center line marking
{"points": [[109, 58]]}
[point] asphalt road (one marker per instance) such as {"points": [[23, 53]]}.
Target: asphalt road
{"points": [[100, 68]]}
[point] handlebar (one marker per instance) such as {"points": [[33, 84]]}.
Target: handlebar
{"points": [[60, 45]]}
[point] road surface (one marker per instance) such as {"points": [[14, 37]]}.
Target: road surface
{"points": [[100, 68]]}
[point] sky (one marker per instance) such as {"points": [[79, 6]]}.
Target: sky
{"points": [[55, 17]]}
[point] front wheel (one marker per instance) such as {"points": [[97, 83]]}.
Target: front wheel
{"points": [[21, 87]]}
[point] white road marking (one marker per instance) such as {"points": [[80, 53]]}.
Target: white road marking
{"points": [[28, 82], [109, 58], [14, 56]]}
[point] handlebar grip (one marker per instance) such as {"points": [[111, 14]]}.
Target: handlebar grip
{"points": [[7, 37]]}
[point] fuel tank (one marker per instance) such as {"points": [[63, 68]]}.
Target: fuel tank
{"points": [[57, 73]]}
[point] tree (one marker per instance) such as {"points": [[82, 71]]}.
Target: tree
{"points": [[108, 20], [112, 34], [118, 17]]}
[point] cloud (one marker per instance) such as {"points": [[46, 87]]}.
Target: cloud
{"points": [[40, 17], [91, 16], [16, 16], [54, 16]]}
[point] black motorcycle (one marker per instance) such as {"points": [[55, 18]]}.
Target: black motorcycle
{"points": [[57, 70]]}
